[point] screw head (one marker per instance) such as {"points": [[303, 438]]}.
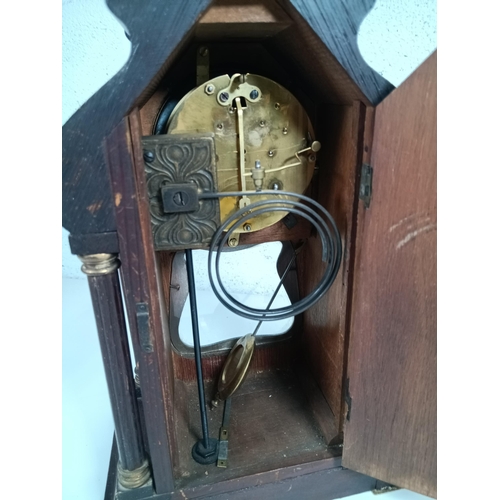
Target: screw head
{"points": [[316, 146], [254, 94], [220, 126], [224, 96], [232, 242], [270, 153], [285, 131], [262, 123], [209, 89], [247, 227], [148, 156], [277, 105]]}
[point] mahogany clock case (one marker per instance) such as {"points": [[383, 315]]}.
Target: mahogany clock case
{"points": [[288, 419], [291, 408]]}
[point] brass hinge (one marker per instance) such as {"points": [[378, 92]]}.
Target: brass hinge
{"points": [[365, 186]]}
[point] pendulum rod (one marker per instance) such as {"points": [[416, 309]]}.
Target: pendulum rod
{"points": [[222, 459], [205, 450], [292, 260]]}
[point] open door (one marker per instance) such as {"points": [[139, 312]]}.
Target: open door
{"points": [[390, 428]]}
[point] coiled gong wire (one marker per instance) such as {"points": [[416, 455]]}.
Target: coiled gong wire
{"points": [[298, 205]]}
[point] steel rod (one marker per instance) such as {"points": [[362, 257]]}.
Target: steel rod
{"points": [[197, 347], [292, 260]]}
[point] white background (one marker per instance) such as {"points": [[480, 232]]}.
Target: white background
{"points": [[394, 39], [468, 243]]}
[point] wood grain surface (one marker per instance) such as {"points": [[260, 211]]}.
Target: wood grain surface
{"points": [[319, 40], [302, 51], [157, 30], [241, 19], [390, 433], [325, 324], [110, 320], [271, 426], [336, 23], [139, 276]]}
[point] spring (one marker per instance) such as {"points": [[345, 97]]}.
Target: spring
{"points": [[326, 229]]}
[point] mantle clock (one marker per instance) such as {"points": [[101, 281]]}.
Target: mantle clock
{"points": [[233, 125]]}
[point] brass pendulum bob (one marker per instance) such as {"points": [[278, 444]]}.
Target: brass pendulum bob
{"points": [[238, 360]]}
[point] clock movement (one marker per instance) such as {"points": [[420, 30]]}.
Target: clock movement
{"points": [[237, 125]]}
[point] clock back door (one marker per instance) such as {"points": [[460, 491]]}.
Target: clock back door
{"points": [[390, 426]]}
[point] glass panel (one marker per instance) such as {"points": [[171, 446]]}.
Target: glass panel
{"points": [[249, 275]]}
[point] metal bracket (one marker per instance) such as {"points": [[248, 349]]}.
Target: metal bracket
{"points": [[365, 187], [179, 198], [238, 87], [224, 436], [179, 168], [142, 315]]}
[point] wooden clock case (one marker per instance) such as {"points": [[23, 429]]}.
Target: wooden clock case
{"points": [[351, 396]]}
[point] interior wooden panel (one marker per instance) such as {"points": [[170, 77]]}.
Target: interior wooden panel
{"points": [[271, 427], [324, 330], [241, 18], [279, 355], [391, 429], [316, 355]]}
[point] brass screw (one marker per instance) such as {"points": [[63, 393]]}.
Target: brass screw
{"points": [[285, 131], [233, 242], [247, 227], [209, 89]]}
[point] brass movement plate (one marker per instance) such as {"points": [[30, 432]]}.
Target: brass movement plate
{"points": [[276, 132]]}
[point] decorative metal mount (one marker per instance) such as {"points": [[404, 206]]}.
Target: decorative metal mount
{"points": [[99, 264], [134, 478], [178, 169]]}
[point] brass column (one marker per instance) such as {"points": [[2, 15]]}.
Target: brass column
{"points": [[101, 270]]}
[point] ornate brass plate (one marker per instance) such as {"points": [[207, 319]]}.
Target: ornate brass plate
{"points": [[184, 165]]}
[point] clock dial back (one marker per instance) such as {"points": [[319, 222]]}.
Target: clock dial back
{"points": [[277, 146]]}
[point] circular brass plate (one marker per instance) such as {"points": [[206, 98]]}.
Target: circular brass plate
{"points": [[276, 128]]}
